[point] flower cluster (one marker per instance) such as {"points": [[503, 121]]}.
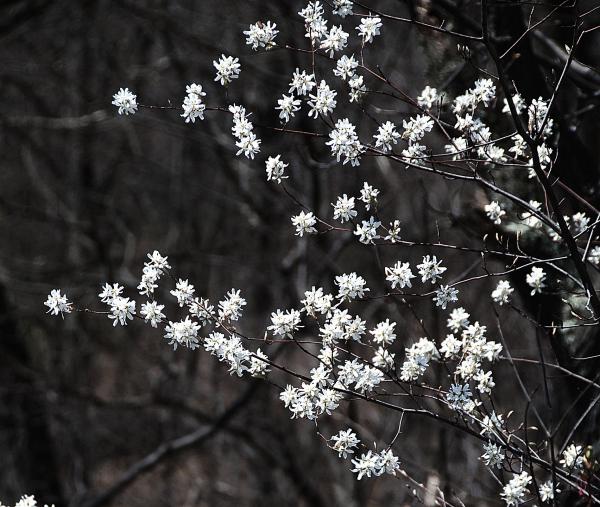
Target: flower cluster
{"points": [[243, 131], [193, 107]]}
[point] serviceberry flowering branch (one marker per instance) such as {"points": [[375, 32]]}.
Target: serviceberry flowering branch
{"points": [[353, 356]]}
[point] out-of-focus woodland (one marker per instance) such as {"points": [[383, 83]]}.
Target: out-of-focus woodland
{"points": [[92, 415]]}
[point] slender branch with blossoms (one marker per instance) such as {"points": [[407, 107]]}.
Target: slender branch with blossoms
{"points": [[445, 376]]}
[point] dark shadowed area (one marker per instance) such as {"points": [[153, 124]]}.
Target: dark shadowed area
{"points": [[93, 415]]}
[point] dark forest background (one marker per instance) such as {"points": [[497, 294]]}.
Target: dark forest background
{"points": [[85, 194]]}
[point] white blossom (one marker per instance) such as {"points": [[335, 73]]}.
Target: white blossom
{"points": [[572, 457], [501, 294], [342, 8], [535, 279], [459, 319], [350, 286], [494, 212], [428, 98], [430, 269], [109, 292], [367, 231], [230, 308], [493, 455], [383, 358], [249, 145], [368, 195], [515, 491], [151, 311], [393, 234], [323, 101], [287, 105], [444, 295], [275, 169], [400, 274], [193, 107], [344, 142], [58, 303], [335, 40], [345, 442], [228, 69], [125, 101], [386, 136], [121, 310], [459, 395], [343, 209], [304, 223], [345, 67], [302, 83], [314, 22], [183, 291], [416, 128], [383, 333], [369, 28], [261, 35], [547, 492], [285, 323]]}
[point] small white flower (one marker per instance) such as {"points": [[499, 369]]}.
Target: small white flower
{"points": [[184, 333], [304, 223], [351, 286], [125, 101], [369, 28], [572, 457], [383, 333], [121, 310], [343, 209], [230, 308], [344, 142], [302, 83], [345, 442], [393, 234], [357, 88], [152, 313], [345, 67], [285, 323], [493, 455], [335, 40], [109, 292], [287, 105], [514, 492], [183, 291], [342, 8], [494, 212], [383, 358], [275, 169], [501, 294], [444, 295], [249, 145], [594, 255], [58, 303], [228, 69], [368, 195], [193, 107], [323, 102], [547, 492], [261, 35], [386, 136], [400, 274], [367, 231], [459, 319], [416, 128], [428, 98], [536, 279], [430, 269]]}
